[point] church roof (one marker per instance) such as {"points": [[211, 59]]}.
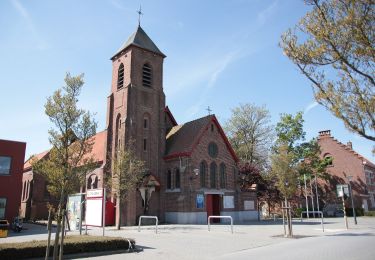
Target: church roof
{"points": [[182, 139], [140, 39], [97, 152]]}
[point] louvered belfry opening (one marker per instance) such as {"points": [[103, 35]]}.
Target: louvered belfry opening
{"points": [[147, 75], [120, 76]]}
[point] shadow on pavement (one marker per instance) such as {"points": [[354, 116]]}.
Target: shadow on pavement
{"points": [[352, 235]]}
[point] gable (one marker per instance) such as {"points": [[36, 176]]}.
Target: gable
{"points": [[182, 140]]}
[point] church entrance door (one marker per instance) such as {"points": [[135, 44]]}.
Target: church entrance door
{"points": [[213, 206]]}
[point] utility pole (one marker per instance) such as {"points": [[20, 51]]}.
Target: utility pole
{"points": [[351, 197], [307, 201], [343, 206]]}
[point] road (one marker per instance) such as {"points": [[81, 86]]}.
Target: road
{"points": [[343, 246]]}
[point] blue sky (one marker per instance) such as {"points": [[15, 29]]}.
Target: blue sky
{"points": [[219, 54]]}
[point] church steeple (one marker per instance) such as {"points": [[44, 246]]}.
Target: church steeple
{"points": [[139, 39]]}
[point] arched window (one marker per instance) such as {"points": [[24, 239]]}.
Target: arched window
{"points": [[177, 178], [92, 182], [147, 75], [23, 190], [202, 172], [117, 133], [120, 76], [328, 158], [223, 176], [169, 180], [213, 175]]}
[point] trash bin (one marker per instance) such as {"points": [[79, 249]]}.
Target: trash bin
{"points": [[4, 226]]}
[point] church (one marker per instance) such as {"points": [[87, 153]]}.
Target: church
{"points": [[192, 168]]}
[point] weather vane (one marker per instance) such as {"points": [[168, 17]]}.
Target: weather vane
{"points": [[209, 110], [139, 15]]}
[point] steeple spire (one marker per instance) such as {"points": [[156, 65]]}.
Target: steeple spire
{"points": [[139, 15]]}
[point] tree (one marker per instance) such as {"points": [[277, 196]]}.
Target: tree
{"points": [[251, 179], [68, 161], [289, 130], [284, 169], [337, 56], [250, 133], [286, 154], [127, 173]]}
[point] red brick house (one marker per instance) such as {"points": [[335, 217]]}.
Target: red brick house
{"points": [[12, 156], [347, 162], [192, 168]]}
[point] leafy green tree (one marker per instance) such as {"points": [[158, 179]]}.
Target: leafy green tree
{"points": [[337, 55], [289, 130], [68, 161], [250, 133], [127, 174]]}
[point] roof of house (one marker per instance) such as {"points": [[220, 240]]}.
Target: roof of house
{"points": [[140, 39], [182, 139], [327, 134], [97, 152]]}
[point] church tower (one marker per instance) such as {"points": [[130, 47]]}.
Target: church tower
{"points": [[136, 112]]}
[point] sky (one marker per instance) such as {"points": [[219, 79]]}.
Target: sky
{"points": [[219, 54]]}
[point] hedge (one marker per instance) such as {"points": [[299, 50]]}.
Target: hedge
{"points": [[72, 245], [370, 213]]}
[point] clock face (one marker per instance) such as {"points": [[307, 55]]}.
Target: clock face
{"points": [[212, 149]]}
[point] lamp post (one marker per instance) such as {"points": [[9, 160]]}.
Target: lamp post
{"points": [[351, 196]]}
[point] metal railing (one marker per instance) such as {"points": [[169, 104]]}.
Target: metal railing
{"points": [[153, 217], [315, 212], [229, 217]]}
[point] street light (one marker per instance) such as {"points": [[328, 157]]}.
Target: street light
{"points": [[351, 196]]}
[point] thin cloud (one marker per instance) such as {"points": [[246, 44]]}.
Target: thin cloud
{"points": [[311, 106], [22, 11], [118, 5], [266, 13]]}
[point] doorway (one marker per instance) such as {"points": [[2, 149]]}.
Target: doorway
{"points": [[213, 206]]}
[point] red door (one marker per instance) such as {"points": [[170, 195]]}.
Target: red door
{"points": [[213, 206]]}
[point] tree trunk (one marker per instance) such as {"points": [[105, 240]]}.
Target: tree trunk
{"points": [[62, 237], [59, 215], [49, 234], [118, 224]]}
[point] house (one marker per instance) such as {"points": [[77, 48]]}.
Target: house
{"points": [[192, 168], [348, 165], [12, 156]]}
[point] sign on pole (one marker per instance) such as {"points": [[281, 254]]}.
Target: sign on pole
{"points": [[74, 208], [94, 207], [342, 189]]}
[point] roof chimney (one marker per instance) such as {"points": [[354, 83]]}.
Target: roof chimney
{"points": [[325, 133], [350, 145]]}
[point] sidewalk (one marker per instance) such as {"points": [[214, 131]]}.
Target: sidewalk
{"points": [[196, 242]]}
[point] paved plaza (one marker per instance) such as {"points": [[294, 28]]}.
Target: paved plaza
{"points": [[261, 240]]}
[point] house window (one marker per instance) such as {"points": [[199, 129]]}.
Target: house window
{"points": [[3, 203], [212, 149], [223, 176], [202, 172], [212, 127], [5, 162], [145, 123], [147, 75], [328, 158], [144, 144], [213, 175], [169, 179], [120, 76], [177, 179]]}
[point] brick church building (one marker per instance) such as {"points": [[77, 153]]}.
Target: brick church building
{"points": [[192, 166]]}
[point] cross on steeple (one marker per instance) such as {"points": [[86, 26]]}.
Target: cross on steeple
{"points": [[209, 110], [139, 15]]}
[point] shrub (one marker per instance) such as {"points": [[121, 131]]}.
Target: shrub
{"points": [[370, 213], [358, 212], [72, 245]]}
